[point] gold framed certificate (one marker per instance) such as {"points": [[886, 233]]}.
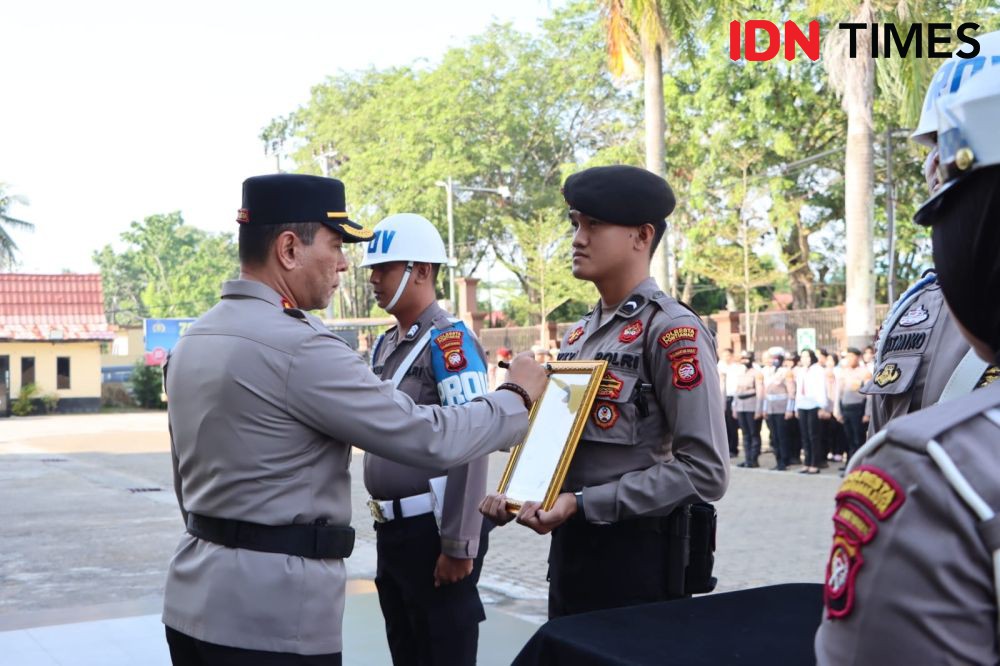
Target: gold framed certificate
{"points": [[537, 467]]}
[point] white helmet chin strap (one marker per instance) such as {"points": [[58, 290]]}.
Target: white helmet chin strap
{"points": [[401, 287]]}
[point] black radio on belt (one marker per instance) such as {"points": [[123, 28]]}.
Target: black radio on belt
{"points": [[639, 397], [690, 549], [317, 541]]}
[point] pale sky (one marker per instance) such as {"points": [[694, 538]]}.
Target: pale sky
{"points": [[112, 111]]}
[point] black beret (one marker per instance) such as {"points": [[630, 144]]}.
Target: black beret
{"points": [[291, 198], [624, 195]]}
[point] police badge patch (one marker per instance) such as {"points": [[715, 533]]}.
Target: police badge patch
{"points": [[873, 489], [841, 573], [611, 387], [450, 344], [631, 332], [575, 335], [915, 315], [605, 414], [867, 494], [687, 372], [889, 374]]}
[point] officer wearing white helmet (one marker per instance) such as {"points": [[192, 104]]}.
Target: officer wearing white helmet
{"points": [[914, 569], [431, 538], [921, 357]]}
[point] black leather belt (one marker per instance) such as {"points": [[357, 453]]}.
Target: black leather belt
{"points": [[315, 541]]}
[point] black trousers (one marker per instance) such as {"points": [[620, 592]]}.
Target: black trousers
{"points": [[812, 445], [853, 426], [794, 440], [751, 436], [594, 567], [780, 439], [424, 624], [188, 651], [732, 429]]}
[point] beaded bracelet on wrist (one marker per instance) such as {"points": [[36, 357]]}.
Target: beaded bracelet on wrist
{"points": [[509, 386]]}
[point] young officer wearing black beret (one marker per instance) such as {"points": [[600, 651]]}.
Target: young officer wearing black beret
{"points": [[655, 441]]}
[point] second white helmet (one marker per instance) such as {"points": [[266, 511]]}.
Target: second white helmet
{"points": [[405, 237], [950, 77]]}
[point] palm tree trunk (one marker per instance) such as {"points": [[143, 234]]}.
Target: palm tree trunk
{"points": [[662, 267], [859, 189]]}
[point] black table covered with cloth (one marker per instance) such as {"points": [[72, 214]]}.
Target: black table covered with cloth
{"points": [[764, 625]]}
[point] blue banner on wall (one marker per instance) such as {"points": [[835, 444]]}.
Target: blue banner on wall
{"points": [[161, 335]]}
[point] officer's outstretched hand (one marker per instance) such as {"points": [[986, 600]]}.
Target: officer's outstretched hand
{"points": [[450, 570], [527, 373], [543, 522], [494, 507]]}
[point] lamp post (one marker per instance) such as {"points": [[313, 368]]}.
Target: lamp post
{"points": [[450, 187]]}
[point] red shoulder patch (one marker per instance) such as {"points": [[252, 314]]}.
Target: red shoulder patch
{"points": [[677, 334], [575, 335], [450, 344], [866, 489], [687, 371], [631, 331], [605, 414], [874, 489], [841, 574]]}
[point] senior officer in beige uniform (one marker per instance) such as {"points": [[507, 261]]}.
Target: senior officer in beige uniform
{"points": [[656, 439], [914, 568], [921, 356], [264, 404], [426, 576]]}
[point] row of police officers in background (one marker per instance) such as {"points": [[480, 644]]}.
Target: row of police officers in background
{"points": [[265, 405]]}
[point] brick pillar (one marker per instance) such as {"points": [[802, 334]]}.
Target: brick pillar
{"points": [[728, 332], [468, 306]]}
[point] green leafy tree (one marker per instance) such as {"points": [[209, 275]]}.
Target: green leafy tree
{"points": [[506, 110], [147, 385], [856, 79], [8, 248], [777, 127], [167, 269], [541, 258]]}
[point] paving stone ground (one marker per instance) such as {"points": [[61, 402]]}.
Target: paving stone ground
{"points": [[90, 519]]}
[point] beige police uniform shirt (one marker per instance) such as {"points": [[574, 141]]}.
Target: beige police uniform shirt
{"points": [[264, 404], [385, 479], [779, 390], [909, 579], [918, 356], [655, 438]]}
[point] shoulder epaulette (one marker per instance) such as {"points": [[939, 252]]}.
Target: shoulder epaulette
{"points": [[917, 429]]}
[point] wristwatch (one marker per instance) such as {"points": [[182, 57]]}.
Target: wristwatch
{"points": [[579, 505]]}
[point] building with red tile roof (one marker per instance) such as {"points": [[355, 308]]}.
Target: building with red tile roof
{"points": [[51, 331]]}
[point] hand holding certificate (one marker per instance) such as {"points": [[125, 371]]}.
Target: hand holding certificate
{"points": [[537, 467]]}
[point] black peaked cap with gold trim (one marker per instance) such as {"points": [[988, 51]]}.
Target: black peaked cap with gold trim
{"points": [[290, 198], [624, 195]]}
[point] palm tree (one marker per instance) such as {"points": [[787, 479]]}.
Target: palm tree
{"points": [[643, 29], [854, 80], [903, 81], [8, 248]]}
